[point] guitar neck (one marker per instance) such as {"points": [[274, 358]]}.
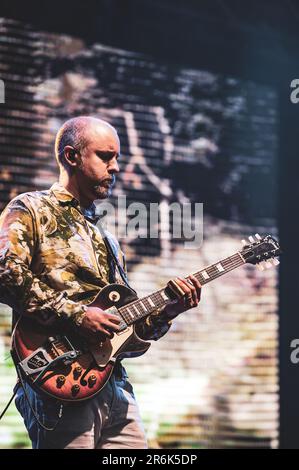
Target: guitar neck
{"points": [[141, 308]]}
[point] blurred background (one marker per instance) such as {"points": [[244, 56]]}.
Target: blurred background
{"points": [[199, 92]]}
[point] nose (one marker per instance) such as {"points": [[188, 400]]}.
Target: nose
{"points": [[113, 165]]}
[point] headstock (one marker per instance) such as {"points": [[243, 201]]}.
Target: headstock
{"points": [[261, 251]]}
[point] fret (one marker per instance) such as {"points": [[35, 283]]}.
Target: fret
{"points": [[143, 307], [129, 313], [136, 309], [232, 262], [150, 301], [156, 299], [141, 303], [148, 305], [125, 317], [200, 278], [205, 274], [164, 295], [220, 267], [141, 312], [212, 272], [159, 301]]}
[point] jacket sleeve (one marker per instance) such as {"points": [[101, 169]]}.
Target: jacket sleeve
{"points": [[153, 327], [19, 287]]}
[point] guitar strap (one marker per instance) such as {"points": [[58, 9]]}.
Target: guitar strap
{"points": [[113, 260]]}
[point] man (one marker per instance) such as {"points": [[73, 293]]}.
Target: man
{"points": [[53, 263]]}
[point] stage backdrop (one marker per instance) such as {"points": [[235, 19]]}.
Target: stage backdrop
{"points": [[187, 136]]}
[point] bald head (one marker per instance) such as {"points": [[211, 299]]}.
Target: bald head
{"points": [[78, 133]]}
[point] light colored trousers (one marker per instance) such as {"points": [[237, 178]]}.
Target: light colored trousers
{"points": [[110, 420]]}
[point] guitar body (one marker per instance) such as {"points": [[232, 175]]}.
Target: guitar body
{"points": [[35, 346]]}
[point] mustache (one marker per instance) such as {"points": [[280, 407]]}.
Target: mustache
{"points": [[110, 180]]}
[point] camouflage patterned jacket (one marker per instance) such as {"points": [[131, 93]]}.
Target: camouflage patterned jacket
{"points": [[53, 260]]}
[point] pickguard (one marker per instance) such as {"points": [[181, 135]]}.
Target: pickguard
{"points": [[124, 343]]}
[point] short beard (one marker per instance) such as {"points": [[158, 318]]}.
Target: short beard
{"points": [[102, 193]]}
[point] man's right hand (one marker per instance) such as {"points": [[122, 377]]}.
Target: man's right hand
{"points": [[97, 322]]}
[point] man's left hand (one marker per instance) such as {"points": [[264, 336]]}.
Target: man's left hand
{"points": [[188, 293]]}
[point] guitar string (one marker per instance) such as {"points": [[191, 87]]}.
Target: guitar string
{"points": [[157, 297], [160, 301]]}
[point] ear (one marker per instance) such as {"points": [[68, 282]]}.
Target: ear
{"points": [[72, 157]]}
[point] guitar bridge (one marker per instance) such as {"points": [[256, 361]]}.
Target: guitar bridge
{"points": [[36, 362], [41, 361]]}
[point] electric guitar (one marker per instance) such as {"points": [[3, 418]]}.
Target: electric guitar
{"points": [[60, 362]]}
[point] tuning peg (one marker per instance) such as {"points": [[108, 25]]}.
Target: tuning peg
{"points": [[268, 264], [260, 267], [257, 236], [244, 242], [251, 239], [271, 261], [275, 261]]}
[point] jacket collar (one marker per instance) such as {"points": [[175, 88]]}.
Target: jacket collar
{"points": [[64, 197]]}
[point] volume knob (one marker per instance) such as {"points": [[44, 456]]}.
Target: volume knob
{"points": [[92, 380], [77, 372], [60, 380], [75, 389]]}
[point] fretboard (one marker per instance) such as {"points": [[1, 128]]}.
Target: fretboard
{"points": [[140, 308]]}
